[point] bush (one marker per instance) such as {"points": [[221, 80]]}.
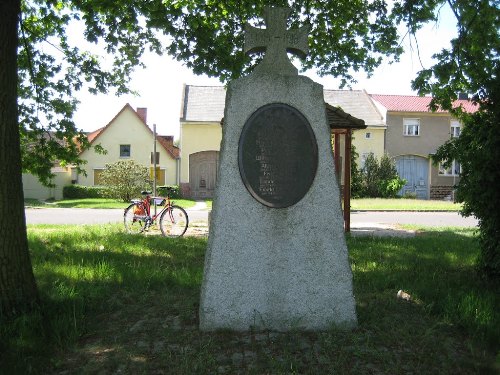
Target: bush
{"points": [[175, 192], [125, 179], [81, 192], [390, 188], [381, 179]]}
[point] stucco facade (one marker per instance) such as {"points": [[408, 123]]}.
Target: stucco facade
{"points": [[197, 137], [369, 140], [414, 133], [35, 190], [128, 132]]}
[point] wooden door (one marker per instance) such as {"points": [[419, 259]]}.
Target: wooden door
{"points": [[203, 174]]}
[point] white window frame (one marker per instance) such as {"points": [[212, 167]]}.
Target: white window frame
{"points": [[454, 170], [129, 151], [455, 129], [411, 127], [368, 135]]}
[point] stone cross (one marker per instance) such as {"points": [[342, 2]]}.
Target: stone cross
{"points": [[276, 41]]}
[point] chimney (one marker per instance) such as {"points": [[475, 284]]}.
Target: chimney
{"points": [[143, 114]]}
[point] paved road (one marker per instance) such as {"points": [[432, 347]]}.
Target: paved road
{"points": [[358, 219]]}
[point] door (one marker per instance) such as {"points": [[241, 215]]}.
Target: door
{"points": [[203, 174], [415, 170]]}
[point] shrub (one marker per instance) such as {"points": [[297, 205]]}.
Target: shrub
{"points": [[81, 192], [175, 192], [125, 179], [381, 179]]}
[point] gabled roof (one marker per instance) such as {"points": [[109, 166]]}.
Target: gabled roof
{"points": [[206, 104], [165, 141], [409, 103]]}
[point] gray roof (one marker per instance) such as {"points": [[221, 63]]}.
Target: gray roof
{"points": [[206, 104], [357, 103], [203, 103]]}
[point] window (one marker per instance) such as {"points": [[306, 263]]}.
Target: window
{"points": [[124, 151], [455, 129], [453, 170], [368, 135], [411, 127]]}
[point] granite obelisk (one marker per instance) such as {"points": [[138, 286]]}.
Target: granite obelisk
{"points": [[276, 257]]}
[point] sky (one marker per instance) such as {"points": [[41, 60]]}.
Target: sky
{"points": [[160, 84]]}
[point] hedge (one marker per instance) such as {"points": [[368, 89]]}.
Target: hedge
{"points": [[81, 191]]}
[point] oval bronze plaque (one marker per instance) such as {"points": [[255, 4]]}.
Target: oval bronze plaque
{"points": [[277, 155]]}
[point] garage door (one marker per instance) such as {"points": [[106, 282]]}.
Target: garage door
{"points": [[415, 170], [203, 173]]}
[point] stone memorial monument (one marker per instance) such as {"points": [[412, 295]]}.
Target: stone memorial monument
{"points": [[276, 257]]}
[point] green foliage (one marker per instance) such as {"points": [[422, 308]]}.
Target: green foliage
{"points": [[356, 175], [389, 183], [94, 281], [478, 151], [380, 179], [125, 179], [208, 36], [81, 191], [472, 65], [370, 176], [175, 191]]}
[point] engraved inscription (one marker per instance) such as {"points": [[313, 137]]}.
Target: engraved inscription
{"points": [[277, 155]]}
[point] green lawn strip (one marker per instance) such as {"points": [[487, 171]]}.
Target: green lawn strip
{"points": [[102, 203], [124, 303], [377, 204]]}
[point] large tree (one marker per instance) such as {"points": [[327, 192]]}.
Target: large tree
{"points": [[471, 65], [345, 36], [18, 291]]}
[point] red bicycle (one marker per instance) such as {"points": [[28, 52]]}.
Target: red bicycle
{"points": [[173, 219]]}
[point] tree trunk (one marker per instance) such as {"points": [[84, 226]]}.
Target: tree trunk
{"points": [[18, 291]]}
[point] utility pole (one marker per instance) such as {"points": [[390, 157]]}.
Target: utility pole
{"points": [[154, 165]]}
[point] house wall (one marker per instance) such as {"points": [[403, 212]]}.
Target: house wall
{"points": [[434, 131], [374, 144], [127, 129], [196, 137], [34, 189]]}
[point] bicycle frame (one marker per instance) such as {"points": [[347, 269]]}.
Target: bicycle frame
{"points": [[146, 203]]}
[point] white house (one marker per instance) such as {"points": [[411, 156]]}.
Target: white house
{"points": [[126, 137]]}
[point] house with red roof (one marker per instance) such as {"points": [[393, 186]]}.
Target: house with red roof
{"points": [[413, 134], [126, 137]]}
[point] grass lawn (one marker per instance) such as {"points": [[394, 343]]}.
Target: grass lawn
{"points": [[375, 204], [95, 203], [116, 303]]}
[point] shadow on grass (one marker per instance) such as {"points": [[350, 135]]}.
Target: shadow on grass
{"points": [[116, 303], [437, 269]]}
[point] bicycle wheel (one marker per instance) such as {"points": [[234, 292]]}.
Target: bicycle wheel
{"points": [[174, 222], [134, 223]]}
